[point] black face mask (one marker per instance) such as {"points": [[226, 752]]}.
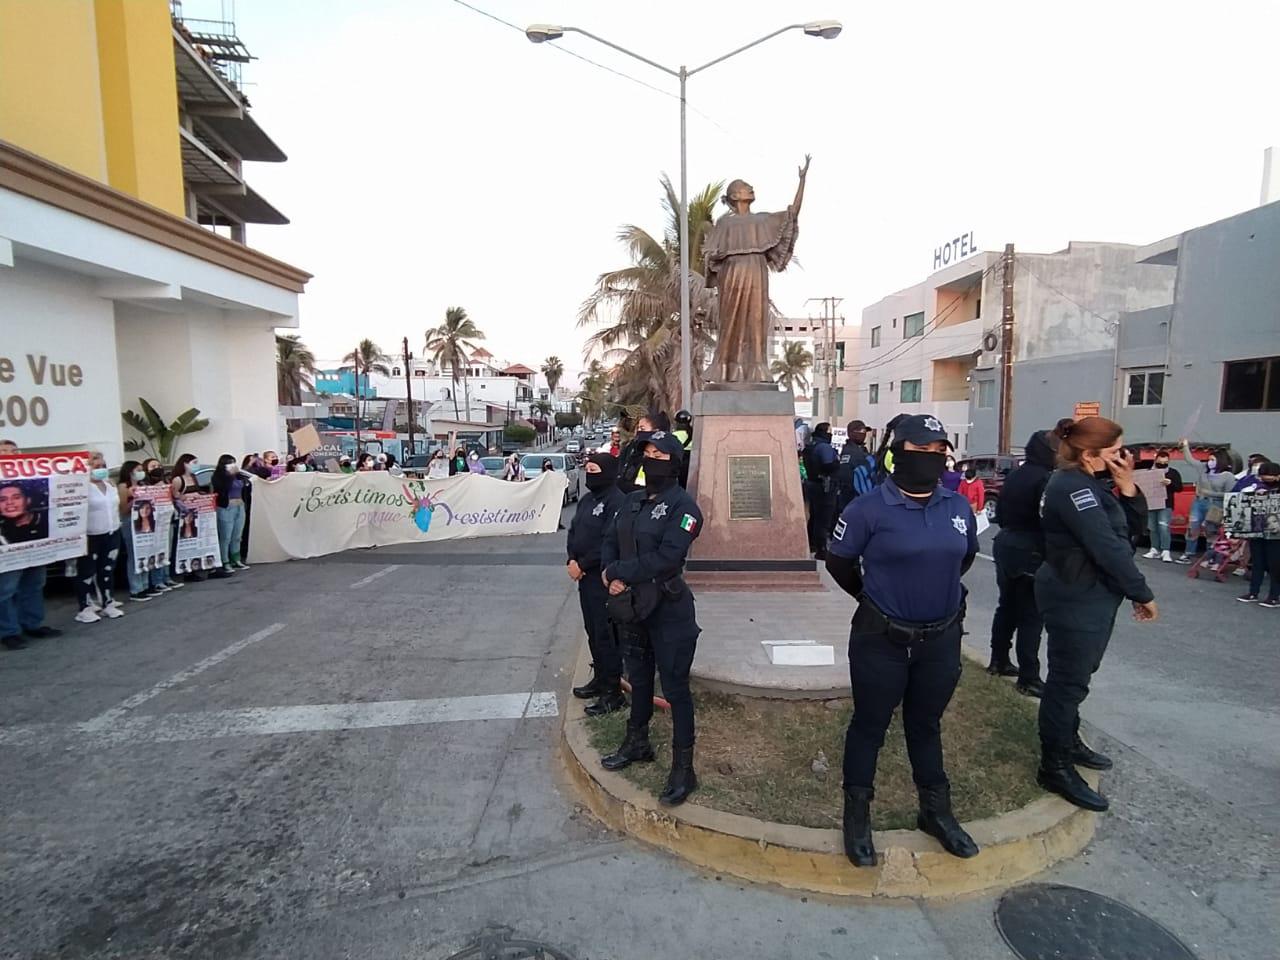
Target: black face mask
{"points": [[1102, 474], [1162, 466], [917, 471], [971, 474], [598, 481], [155, 476], [659, 474]]}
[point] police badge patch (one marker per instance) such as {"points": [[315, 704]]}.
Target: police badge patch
{"points": [[1084, 499], [838, 532], [933, 423], [659, 512], [598, 510], [961, 524]]}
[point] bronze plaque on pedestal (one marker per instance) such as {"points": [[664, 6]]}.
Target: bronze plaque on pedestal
{"points": [[750, 488]]}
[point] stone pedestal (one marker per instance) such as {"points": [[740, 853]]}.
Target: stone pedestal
{"points": [[746, 479]]}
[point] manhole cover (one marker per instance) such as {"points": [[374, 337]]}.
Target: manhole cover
{"points": [[499, 944], [1047, 921]]}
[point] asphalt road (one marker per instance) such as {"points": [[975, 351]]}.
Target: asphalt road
{"points": [[356, 757]]}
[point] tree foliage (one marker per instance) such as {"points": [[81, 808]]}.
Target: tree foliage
{"points": [[792, 368], [453, 342], [157, 437], [295, 366]]}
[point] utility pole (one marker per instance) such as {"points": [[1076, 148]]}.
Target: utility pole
{"points": [[828, 368], [1006, 353], [355, 359], [408, 391]]}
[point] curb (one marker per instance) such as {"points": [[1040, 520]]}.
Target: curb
{"points": [[1015, 845]]}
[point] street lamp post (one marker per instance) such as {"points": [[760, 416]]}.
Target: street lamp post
{"points": [[542, 32]]}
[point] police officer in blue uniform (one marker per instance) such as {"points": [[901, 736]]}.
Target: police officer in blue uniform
{"points": [[643, 555], [1088, 571], [856, 467], [901, 550], [820, 463], [595, 512]]}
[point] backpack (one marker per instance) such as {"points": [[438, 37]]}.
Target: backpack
{"points": [[857, 472]]}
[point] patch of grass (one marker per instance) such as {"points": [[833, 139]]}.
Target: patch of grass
{"points": [[754, 757]]}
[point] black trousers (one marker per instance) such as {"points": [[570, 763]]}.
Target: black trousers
{"points": [[606, 658], [822, 516], [1264, 557], [95, 571], [884, 673], [1078, 620], [668, 641], [1016, 613]]}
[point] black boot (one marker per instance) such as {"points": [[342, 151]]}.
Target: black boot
{"points": [[682, 781], [611, 699], [591, 689], [1001, 667], [1031, 688], [1057, 775], [937, 820], [857, 826], [1083, 755], [635, 749]]}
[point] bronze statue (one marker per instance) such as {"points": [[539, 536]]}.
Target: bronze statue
{"points": [[740, 250]]}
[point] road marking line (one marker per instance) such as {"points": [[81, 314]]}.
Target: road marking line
{"points": [[374, 576], [122, 709], [985, 557], [310, 718]]}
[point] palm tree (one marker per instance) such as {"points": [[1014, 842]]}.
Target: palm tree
{"points": [[792, 368], [545, 409], [295, 366], [553, 370], [368, 358], [639, 304], [451, 343]]}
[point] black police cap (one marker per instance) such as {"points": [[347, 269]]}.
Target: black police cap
{"points": [[668, 443], [920, 429]]}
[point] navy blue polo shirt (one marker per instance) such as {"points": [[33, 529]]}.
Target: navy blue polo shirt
{"points": [[912, 551]]}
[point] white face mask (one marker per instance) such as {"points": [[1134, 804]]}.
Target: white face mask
{"points": [[1213, 463], [233, 468], [300, 468]]}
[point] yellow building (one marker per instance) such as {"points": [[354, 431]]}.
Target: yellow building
{"points": [[123, 204]]}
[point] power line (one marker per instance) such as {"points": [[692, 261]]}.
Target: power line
{"points": [[1109, 321]]}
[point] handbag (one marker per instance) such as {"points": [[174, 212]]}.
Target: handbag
{"points": [[1214, 515], [637, 602]]}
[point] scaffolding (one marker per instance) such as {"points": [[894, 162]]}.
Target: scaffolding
{"points": [[216, 40]]}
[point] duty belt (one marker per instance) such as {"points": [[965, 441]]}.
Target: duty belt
{"points": [[905, 632]]}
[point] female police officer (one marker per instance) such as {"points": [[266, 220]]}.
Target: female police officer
{"points": [[643, 555], [1088, 571], [901, 550]]}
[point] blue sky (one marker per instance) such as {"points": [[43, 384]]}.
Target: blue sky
{"points": [[438, 158]]}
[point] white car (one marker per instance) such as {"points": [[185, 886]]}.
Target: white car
{"points": [[573, 446]]}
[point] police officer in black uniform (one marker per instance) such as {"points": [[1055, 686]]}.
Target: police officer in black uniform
{"points": [[643, 555], [820, 463], [684, 433], [1018, 551], [901, 550], [850, 482], [595, 512], [631, 457], [1089, 533]]}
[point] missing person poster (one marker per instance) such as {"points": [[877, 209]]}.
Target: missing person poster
{"points": [[1252, 516], [151, 516], [197, 549], [44, 508]]}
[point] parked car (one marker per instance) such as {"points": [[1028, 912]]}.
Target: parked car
{"points": [[494, 466], [992, 469], [563, 462]]}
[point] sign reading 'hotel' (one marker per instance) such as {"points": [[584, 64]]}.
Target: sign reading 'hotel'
{"points": [[954, 250]]}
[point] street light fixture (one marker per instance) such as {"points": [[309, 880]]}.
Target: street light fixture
{"points": [[823, 29]]}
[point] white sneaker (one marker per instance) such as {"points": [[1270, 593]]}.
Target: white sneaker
{"points": [[1166, 556], [163, 588], [112, 612], [1240, 572], [1151, 554], [87, 616]]}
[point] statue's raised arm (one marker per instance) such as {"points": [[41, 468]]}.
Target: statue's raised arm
{"points": [[804, 172]]}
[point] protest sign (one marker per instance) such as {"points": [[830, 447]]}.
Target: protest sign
{"points": [[1151, 483], [197, 548], [313, 514], [44, 508], [1252, 516], [305, 440], [151, 516]]}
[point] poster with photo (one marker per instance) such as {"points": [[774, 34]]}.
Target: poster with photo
{"points": [[44, 508], [197, 550], [151, 516], [1252, 516]]}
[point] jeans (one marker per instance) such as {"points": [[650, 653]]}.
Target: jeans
{"points": [[667, 640], [138, 582], [230, 530], [1079, 620], [95, 571], [21, 600], [1266, 559], [884, 673], [1196, 522], [1158, 528]]}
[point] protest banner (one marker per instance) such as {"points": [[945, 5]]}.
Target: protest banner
{"points": [[44, 508], [151, 516], [1151, 483], [197, 544], [1252, 516], [313, 514]]}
